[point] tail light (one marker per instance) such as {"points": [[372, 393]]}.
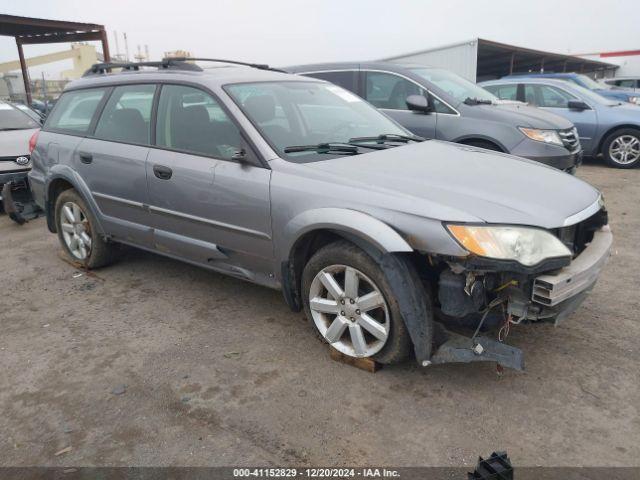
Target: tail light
{"points": [[33, 140]]}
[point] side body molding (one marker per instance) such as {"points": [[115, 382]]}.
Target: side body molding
{"points": [[353, 222]]}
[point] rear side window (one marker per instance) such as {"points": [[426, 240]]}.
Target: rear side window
{"points": [[346, 80], [127, 115], [74, 110], [191, 120]]}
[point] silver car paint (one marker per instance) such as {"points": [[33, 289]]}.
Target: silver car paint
{"points": [[14, 143], [396, 199]]}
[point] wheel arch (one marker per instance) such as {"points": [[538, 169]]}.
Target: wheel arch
{"points": [[61, 179], [470, 139], [612, 130], [313, 229]]}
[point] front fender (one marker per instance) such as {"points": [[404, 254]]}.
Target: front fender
{"points": [[64, 172], [361, 225]]}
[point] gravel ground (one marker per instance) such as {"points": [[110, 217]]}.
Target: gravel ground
{"points": [[155, 362]]}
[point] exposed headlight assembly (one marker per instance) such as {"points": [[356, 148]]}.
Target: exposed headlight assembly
{"points": [[546, 136], [635, 100], [528, 246]]}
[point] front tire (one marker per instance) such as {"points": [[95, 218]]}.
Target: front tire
{"points": [[350, 305], [621, 149], [77, 232]]}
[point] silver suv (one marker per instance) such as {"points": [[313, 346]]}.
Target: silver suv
{"points": [[297, 184]]}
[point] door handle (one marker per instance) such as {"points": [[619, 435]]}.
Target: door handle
{"points": [[162, 172], [85, 157]]}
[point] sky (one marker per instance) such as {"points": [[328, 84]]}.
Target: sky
{"points": [[287, 32]]}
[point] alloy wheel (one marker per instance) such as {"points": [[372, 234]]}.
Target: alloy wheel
{"points": [[349, 311], [76, 230], [625, 149]]}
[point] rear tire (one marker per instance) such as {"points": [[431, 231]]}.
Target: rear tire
{"points": [[621, 149], [77, 232], [360, 318]]}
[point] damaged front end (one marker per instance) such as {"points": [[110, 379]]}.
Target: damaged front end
{"points": [[488, 297]]}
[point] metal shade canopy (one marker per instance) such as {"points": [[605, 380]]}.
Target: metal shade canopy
{"points": [[29, 31]]}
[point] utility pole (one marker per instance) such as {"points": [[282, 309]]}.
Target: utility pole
{"points": [[126, 47], [115, 36]]}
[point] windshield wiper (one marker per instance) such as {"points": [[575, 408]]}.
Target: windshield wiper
{"points": [[14, 128], [477, 101], [333, 147], [388, 137]]}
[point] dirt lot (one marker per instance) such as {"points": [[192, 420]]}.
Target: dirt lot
{"points": [[220, 372]]}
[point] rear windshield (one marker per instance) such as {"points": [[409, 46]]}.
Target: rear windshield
{"points": [[13, 119]]}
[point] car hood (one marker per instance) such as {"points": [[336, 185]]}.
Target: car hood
{"points": [[451, 182], [522, 115], [15, 142]]}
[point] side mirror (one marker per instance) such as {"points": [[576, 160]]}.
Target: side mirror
{"points": [[577, 105], [419, 103], [241, 157]]}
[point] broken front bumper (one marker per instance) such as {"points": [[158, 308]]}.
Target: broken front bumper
{"points": [[562, 292], [545, 297], [16, 198]]}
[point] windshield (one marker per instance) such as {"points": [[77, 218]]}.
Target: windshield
{"points": [[459, 88], [296, 113], [31, 113], [589, 83], [13, 119], [588, 95]]}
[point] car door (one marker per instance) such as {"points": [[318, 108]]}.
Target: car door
{"points": [[389, 91], [112, 162], [555, 100], [206, 206]]}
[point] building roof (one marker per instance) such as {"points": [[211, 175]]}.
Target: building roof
{"points": [[42, 30], [494, 58]]}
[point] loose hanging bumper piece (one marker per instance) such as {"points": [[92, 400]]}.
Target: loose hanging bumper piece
{"points": [[496, 467]]}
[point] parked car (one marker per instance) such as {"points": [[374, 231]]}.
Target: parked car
{"points": [[34, 114], [17, 128], [584, 82], [297, 184], [456, 110], [627, 83], [605, 126]]}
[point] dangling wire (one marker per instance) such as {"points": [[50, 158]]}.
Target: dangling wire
{"points": [[503, 333], [494, 303]]}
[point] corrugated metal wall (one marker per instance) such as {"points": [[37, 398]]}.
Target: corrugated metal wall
{"points": [[629, 65], [461, 58]]}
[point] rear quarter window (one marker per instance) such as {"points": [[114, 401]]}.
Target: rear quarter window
{"points": [[75, 110], [346, 79]]}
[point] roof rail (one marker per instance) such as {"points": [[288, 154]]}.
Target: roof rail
{"points": [[165, 64], [260, 66]]}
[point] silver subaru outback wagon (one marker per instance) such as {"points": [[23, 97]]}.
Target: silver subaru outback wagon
{"points": [[385, 240]]}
